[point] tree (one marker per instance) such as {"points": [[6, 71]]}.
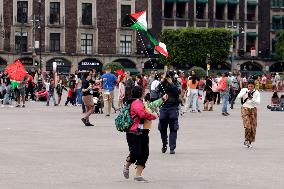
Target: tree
{"points": [[191, 46], [200, 72], [279, 46], [114, 66]]}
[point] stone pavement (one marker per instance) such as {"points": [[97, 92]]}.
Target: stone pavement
{"points": [[49, 148]]}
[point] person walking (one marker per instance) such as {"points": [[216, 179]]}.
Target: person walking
{"points": [[51, 93], [59, 90], [109, 81], [169, 112], [154, 95], [209, 95], [129, 85], [224, 88], [121, 91], [264, 82], [250, 98], [137, 137], [20, 92], [192, 93], [87, 98]]}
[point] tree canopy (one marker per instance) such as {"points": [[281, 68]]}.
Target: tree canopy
{"points": [[192, 46], [279, 46]]}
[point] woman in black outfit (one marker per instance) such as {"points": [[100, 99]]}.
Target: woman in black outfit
{"points": [[209, 97]]}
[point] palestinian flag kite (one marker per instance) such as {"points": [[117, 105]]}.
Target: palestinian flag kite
{"points": [[139, 21]]}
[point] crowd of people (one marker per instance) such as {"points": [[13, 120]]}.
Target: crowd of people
{"points": [[163, 96]]}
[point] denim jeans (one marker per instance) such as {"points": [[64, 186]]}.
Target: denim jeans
{"points": [[79, 96], [51, 96], [225, 99]]}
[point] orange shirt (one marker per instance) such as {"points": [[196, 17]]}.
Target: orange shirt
{"points": [[191, 85]]}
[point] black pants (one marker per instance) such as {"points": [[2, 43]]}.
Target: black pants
{"points": [[138, 147], [69, 99], [217, 97], [169, 118]]}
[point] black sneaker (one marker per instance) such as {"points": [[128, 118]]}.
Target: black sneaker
{"points": [[84, 121], [224, 114], [23, 106], [18, 106], [227, 113], [172, 152], [164, 149], [89, 125], [107, 115]]}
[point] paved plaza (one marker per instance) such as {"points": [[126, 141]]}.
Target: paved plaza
{"points": [[49, 148]]}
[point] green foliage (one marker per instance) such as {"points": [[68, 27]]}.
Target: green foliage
{"points": [[200, 72], [114, 66], [279, 46], [191, 45]]}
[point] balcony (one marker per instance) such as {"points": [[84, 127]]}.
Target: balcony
{"points": [[92, 25], [55, 22]]}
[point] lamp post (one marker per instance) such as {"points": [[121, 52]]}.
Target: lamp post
{"points": [[233, 28], [34, 20], [40, 31]]}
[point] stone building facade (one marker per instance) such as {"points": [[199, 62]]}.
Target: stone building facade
{"points": [[88, 33]]}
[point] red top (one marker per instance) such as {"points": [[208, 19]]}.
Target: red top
{"points": [[138, 112], [70, 92]]}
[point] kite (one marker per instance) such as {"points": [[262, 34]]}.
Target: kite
{"points": [[139, 21], [16, 72]]}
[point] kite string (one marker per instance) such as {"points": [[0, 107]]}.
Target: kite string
{"points": [[144, 46]]}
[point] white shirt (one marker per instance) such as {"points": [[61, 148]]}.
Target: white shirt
{"points": [[250, 103], [154, 84]]}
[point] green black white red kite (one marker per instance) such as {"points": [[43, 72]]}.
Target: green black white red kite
{"points": [[139, 21]]}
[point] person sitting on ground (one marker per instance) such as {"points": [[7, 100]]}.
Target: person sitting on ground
{"points": [[276, 102], [42, 95]]}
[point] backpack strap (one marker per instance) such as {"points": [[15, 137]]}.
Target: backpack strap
{"points": [[244, 101]]}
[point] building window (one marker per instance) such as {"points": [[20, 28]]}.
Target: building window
{"points": [[220, 11], [277, 3], [21, 41], [22, 11], [125, 44], [232, 12], [54, 13], [87, 43], [180, 10], [54, 45], [87, 13], [200, 10], [125, 10], [276, 22], [251, 13], [169, 10], [250, 44]]}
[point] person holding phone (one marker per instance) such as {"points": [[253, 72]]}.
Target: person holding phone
{"points": [[87, 86], [250, 98]]}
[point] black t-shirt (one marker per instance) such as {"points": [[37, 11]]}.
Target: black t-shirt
{"points": [[85, 85]]}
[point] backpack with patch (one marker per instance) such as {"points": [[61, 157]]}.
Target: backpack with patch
{"points": [[222, 84], [123, 121]]}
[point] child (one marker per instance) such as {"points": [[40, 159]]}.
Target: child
{"points": [[121, 93], [69, 97]]}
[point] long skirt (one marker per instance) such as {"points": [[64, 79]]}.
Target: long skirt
{"points": [[249, 116]]}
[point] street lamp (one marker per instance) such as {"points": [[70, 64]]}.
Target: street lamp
{"points": [[40, 32], [233, 29], [34, 21]]}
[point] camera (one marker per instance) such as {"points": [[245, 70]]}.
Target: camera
{"points": [[250, 95]]}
